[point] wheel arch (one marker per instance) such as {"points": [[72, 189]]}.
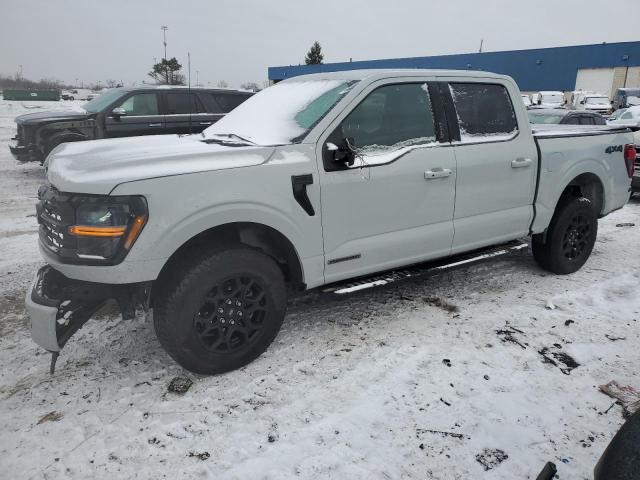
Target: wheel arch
{"points": [[587, 185], [254, 235]]}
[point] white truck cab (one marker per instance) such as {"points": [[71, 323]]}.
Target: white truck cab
{"points": [[550, 99], [315, 180], [590, 101]]}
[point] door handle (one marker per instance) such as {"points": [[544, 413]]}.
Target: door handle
{"points": [[437, 173], [206, 123], [521, 162], [155, 124]]}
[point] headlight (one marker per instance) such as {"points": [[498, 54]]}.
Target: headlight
{"points": [[107, 227]]}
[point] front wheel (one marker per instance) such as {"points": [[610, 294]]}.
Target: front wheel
{"points": [[570, 237], [221, 311]]}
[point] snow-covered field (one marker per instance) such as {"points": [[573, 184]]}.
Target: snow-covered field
{"points": [[421, 379]]}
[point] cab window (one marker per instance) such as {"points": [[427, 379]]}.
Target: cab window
{"points": [[391, 116], [141, 104], [484, 111], [178, 103]]}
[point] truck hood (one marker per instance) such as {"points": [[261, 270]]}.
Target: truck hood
{"points": [[52, 115], [98, 166]]}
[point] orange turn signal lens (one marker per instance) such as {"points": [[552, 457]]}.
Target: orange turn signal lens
{"points": [[136, 228], [89, 231]]}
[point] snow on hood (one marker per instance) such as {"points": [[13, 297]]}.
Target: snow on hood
{"points": [[272, 116], [97, 166]]}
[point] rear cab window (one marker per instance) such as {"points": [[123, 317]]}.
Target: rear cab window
{"points": [[484, 112], [229, 101], [178, 103]]}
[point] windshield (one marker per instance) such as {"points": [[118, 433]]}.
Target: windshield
{"points": [[283, 113], [597, 101], [544, 118], [101, 101], [552, 98], [617, 114]]}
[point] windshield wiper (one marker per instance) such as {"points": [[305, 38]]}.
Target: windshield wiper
{"points": [[233, 135]]}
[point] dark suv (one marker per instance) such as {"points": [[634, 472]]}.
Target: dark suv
{"points": [[123, 112]]}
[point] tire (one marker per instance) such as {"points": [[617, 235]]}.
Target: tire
{"points": [[220, 311], [570, 237]]}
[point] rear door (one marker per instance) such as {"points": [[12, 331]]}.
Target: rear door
{"points": [[496, 164], [394, 205], [230, 100], [142, 116], [185, 113]]}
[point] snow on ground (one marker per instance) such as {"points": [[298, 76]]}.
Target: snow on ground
{"points": [[355, 386]]}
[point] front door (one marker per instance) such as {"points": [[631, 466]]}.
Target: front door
{"points": [[394, 205], [497, 166], [141, 117]]}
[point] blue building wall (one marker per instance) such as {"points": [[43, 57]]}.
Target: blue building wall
{"points": [[537, 69]]}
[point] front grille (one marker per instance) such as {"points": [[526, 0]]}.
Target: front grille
{"points": [[54, 216], [52, 228]]}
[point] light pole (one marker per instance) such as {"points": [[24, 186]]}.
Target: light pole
{"points": [[164, 29]]}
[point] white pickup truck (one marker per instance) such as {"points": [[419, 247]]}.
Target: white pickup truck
{"points": [[315, 180]]}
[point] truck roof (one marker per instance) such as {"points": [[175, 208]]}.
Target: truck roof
{"points": [[180, 87], [378, 74]]}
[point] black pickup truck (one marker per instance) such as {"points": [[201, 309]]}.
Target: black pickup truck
{"points": [[123, 112]]}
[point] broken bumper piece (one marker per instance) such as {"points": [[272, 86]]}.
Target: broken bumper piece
{"points": [[59, 306]]}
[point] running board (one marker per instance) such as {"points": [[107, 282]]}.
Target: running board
{"points": [[423, 269]]}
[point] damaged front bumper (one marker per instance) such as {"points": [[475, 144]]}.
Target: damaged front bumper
{"points": [[59, 306]]}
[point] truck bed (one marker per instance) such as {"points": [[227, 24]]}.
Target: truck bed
{"points": [[555, 131], [565, 152]]}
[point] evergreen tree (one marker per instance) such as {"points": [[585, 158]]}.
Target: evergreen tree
{"points": [[167, 72], [314, 56]]}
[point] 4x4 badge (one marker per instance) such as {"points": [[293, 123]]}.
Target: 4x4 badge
{"points": [[613, 148]]}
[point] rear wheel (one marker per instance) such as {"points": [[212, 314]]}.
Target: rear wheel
{"points": [[570, 237], [221, 311]]}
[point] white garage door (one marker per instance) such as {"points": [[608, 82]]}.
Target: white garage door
{"points": [[595, 80]]}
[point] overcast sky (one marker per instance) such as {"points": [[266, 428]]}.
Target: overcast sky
{"points": [[237, 40]]}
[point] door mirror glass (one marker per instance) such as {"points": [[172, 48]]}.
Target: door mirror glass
{"points": [[118, 112]]}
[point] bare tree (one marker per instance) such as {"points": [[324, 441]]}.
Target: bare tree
{"points": [[111, 83], [253, 86], [223, 84]]}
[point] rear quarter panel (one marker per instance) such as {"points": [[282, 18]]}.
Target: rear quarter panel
{"points": [[565, 158]]}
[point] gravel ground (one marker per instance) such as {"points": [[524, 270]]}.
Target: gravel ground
{"points": [[487, 371]]}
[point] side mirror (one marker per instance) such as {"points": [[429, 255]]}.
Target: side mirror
{"points": [[343, 153], [582, 102], [539, 101], [118, 112]]}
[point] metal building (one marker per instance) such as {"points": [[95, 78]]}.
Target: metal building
{"points": [[600, 67]]}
